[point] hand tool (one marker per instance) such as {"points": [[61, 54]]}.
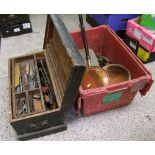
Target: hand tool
{"points": [[94, 76], [37, 105], [45, 81], [21, 105], [84, 40], [31, 104], [17, 75]]}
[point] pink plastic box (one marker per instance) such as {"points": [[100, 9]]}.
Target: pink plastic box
{"points": [[144, 36]]}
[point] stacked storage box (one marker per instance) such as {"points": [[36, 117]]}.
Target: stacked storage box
{"points": [[140, 40], [12, 25], [117, 22]]}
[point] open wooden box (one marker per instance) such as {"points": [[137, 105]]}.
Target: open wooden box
{"points": [[65, 68]]}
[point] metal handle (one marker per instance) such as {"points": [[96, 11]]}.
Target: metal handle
{"points": [[84, 39], [39, 124]]}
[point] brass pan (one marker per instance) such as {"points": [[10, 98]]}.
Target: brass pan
{"points": [[117, 73]]}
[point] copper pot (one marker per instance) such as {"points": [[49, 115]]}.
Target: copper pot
{"points": [[117, 73], [94, 77]]}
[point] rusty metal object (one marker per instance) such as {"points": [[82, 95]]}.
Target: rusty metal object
{"points": [[103, 61], [117, 73], [21, 105], [37, 105]]}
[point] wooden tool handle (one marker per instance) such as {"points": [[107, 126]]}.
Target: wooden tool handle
{"points": [[17, 74], [37, 105]]}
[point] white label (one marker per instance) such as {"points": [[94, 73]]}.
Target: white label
{"points": [[130, 29], [148, 40], [137, 33], [26, 26], [132, 45], [152, 31], [17, 30]]}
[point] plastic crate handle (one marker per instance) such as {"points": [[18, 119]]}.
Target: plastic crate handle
{"points": [[142, 85], [146, 88]]}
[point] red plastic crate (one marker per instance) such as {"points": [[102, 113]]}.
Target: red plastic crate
{"points": [[105, 98]]}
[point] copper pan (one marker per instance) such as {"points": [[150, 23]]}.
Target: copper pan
{"points": [[117, 73], [94, 77]]}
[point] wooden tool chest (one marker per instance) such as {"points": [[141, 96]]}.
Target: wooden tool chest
{"points": [[43, 84]]}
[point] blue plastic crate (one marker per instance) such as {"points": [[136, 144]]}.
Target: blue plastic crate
{"points": [[115, 21]]}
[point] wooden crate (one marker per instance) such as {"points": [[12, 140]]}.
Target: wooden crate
{"points": [[65, 68]]}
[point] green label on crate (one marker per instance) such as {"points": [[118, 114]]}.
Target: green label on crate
{"points": [[112, 97]]}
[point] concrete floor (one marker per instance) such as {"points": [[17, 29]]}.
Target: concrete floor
{"points": [[133, 122]]}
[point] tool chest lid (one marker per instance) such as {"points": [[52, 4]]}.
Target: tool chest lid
{"points": [[66, 64]]}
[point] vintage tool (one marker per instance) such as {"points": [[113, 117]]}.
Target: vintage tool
{"points": [[117, 73], [84, 40], [103, 61], [21, 106], [47, 98], [94, 76], [49, 95], [18, 85], [31, 104], [48, 102], [17, 75], [35, 103], [33, 80], [31, 75], [25, 76], [94, 60]]}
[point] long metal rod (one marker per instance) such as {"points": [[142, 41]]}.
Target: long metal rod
{"points": [[84, 39], [46, 79]]}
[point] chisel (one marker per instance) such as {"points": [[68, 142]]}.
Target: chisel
{"points": [[17, 75]]}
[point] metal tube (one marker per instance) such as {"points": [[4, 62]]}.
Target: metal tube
{"points": [[84, 39]]}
